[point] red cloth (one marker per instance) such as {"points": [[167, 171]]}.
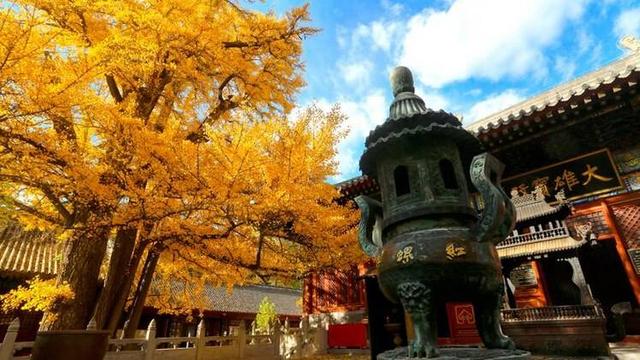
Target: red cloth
{"points": [[348, 336]]}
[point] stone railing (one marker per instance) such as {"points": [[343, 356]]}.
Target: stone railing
{"points": [[9, 346], [558, 330], [282, 343], [569, 312], [559, 230]]}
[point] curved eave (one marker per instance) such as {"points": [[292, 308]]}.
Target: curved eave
{"points": [[422, 118], [581, 91], [468, 144], [538, 247], [361, 185], [531, 212]]}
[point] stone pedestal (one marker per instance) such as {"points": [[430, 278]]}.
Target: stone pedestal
{"points": [[461, 353], [70, 345]]}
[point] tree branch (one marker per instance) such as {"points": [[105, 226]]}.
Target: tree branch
{"points": [[113, 88], [45, 189], [39, 147], [28, 209]]}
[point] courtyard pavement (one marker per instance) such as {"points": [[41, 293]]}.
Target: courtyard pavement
{"points": [[620, 351]]}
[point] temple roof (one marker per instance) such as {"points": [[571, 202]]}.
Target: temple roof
{"points": [[533, 205], [239, 299], [28, 253], [581, 89], [246, 299], [360, 185], [533, 248]]}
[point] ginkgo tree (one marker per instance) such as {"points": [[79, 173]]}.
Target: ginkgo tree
{"points": [[268, 211], [160, 124]]}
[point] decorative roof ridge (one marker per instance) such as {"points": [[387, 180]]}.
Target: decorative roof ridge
{"points": [[532, 205], [437, 116], [578, 242], [539, 247], [268, 287], [423, 111], [620, 68], [409, 131]]}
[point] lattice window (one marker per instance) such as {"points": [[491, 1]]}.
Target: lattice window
{"points": [[628, 219], [342, 283], [356, 287]]}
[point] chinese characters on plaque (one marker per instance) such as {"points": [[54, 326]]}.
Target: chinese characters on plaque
{"points": [[583, 176], [634, 254]]}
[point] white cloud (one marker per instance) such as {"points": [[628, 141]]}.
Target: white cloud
{"points": [[322, 104], [475, 92], [395, 9], [382, 34], [433, 99], [341, 37], [491, 105], [585, 42], [628, 23], [363, 116], [357, 73], [565, 67], [484, 39]]}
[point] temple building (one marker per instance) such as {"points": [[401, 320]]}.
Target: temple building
{"points": [[25, 254], [572, 160]]}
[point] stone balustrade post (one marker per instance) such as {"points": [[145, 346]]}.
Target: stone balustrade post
{"points": [[200, 342], [299, 339], [253, 333], [304, 325], [320, 338], [6, 349], [242, 339], [150, 346], [276, 339]]}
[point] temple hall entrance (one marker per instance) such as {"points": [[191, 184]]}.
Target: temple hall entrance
{"points": [[604, 272], [561, 289]]}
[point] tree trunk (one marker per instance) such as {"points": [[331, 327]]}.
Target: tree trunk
{"points": [[135, 313], [82, 259], [119, 270], [124, 290]]}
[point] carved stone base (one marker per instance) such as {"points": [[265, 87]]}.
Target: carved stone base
{"points": [[461, 353]]}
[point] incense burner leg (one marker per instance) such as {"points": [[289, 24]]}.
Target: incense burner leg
{"points": [[418, 301], [487, 309]]}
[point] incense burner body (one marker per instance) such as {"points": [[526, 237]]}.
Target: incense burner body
{"points": [[432, 244]]}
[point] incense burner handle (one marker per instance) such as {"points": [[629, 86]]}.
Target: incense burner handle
{"points": [[369, 230], [498, 217]]}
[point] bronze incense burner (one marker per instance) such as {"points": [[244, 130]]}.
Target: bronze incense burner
{"points": [[432, 244]]}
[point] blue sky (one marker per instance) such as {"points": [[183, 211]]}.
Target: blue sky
{"points": [[469, 57]]}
